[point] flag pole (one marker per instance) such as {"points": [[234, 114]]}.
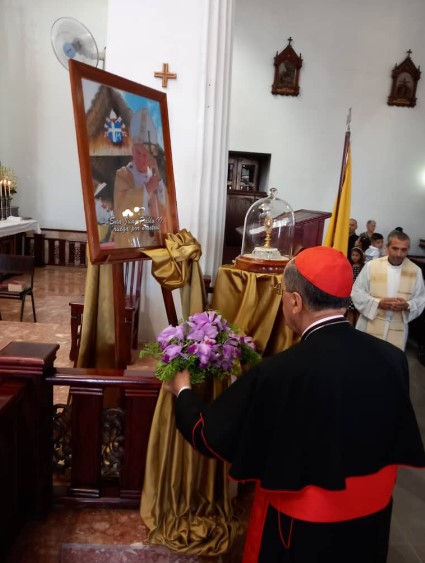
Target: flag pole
{"points": [[343, 168]]}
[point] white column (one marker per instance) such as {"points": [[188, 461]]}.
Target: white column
{"points": [[212, 143]]}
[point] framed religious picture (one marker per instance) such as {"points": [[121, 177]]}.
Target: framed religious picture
{"points": [[124, 150], [287, 66], [405, 77]]}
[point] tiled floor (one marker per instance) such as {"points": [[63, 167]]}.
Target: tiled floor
{"points": [[107, 529], [54, 288], [408, 523]]}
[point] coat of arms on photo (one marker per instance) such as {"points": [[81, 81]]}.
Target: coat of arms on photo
{"points": [[115, 128]]}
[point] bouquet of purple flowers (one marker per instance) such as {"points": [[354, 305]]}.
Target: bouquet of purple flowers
{"points": [[205, 344]]}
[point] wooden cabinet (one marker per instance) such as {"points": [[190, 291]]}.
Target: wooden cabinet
{"points": [[309, 227], [238, 203], [247, 177], [243, 174]]}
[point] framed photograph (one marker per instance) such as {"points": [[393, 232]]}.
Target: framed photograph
{"points": [[287, 66], [405, 77], [124, 148]]}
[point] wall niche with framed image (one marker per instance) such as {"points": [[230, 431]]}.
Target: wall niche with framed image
{"points": [[247, 179], [405, 77]]}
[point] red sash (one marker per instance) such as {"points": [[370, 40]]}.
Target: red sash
{"points": [[362, 496]]}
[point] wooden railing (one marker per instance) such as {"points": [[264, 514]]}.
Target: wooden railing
{"points": [[54, 247], [27, 414], [134, 396]]}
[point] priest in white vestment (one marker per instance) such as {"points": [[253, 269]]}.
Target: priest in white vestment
{"points": [[389, 292]]}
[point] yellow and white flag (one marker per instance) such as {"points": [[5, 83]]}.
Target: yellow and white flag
{"points": [[337, 233]]}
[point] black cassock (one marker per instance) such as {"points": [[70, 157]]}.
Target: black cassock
{"points": [[334, 406]]}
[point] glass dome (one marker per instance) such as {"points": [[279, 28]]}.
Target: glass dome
{"points": [[268, 235]]}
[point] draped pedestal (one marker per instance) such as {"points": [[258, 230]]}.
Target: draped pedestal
{"points": [[186, 503], [247, 300]]}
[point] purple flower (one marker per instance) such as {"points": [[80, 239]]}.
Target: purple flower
{"points": [[206, 343], [203, 352], [204, 355], [171, 332], [201, 327], [171, 352], [230, 351]]}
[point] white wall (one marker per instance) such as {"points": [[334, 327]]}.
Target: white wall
{"points": [[37, 133], [349, 48]]}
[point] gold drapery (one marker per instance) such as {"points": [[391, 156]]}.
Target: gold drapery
{"points": [[185, 499], [177, 266], [248, 301], [97, 346]]}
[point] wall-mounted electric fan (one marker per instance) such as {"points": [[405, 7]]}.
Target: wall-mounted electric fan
{"points": [[72, 40]]}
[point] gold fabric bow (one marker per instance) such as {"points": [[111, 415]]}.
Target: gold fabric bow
{"points": [[177, 266]]}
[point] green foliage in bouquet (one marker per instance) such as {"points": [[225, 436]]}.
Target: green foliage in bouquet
{"points": [[205, 344]]}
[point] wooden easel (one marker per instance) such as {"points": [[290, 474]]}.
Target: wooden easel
{"points": [[121, 333]]}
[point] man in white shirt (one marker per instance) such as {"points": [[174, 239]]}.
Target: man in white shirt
{"points": [[389, 292]]}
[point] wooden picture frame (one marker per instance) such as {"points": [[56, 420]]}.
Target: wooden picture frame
{"points": [[405, 77], [124, 150], [287, 66]]}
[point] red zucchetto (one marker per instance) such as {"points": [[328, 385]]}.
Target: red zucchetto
{"points": [[327, 269]]}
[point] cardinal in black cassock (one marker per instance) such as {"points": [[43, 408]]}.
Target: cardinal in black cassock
{"points": [[321, 428]]}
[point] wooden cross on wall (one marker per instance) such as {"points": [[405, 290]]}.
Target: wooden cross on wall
{"points": [[165, 75]]}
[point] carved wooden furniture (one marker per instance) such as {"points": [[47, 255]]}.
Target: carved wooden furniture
{"points": [[27, 377], [24, 267], [138, 392], [25, 436]]}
